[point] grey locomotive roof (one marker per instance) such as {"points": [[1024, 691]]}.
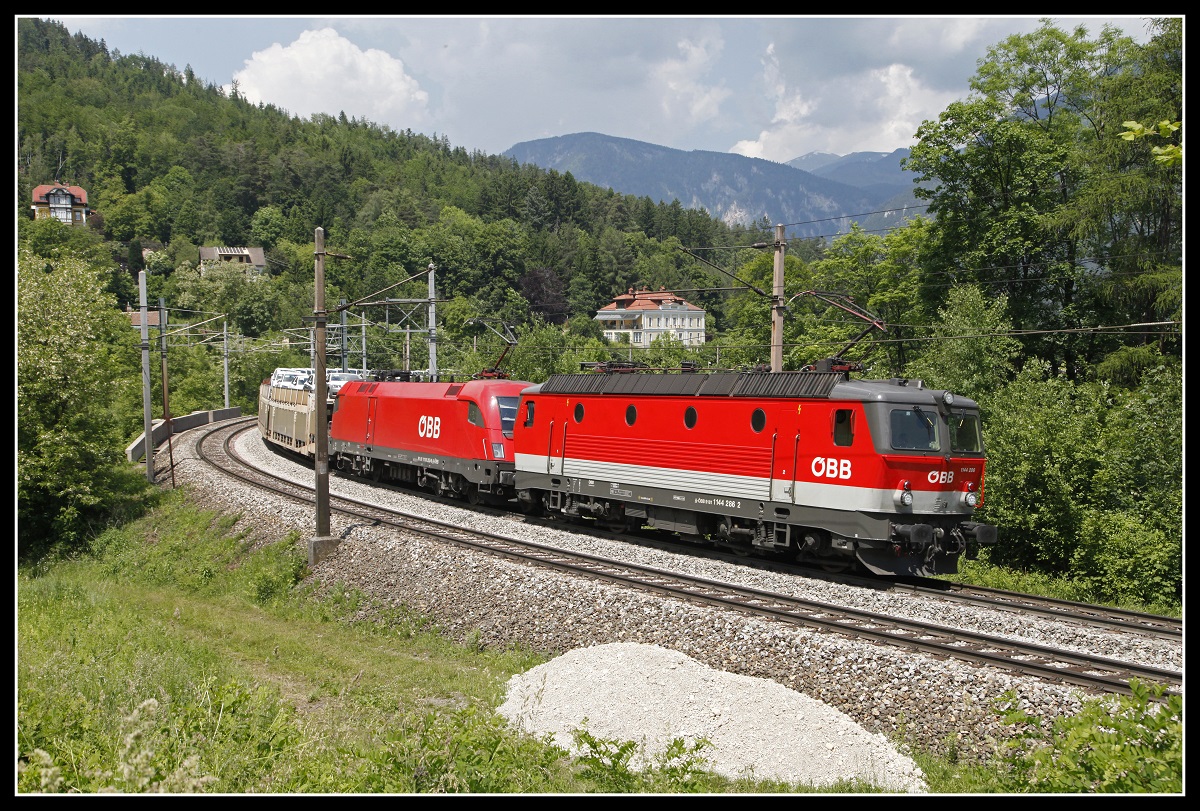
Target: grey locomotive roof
{"points": [[895, 390], [715, 384], [825, 385]]}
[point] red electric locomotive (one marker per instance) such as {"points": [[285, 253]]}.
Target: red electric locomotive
{"points": [[885, 474], [449, 438]]}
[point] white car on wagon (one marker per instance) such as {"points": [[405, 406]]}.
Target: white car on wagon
{"points": [[339, 379]]}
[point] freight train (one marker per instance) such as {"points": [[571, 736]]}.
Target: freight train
{"points": [[876, 475]]}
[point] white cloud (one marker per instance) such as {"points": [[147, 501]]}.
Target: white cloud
{"points": [[681, 84], [323, 72], [944, 36], [904, 104]]}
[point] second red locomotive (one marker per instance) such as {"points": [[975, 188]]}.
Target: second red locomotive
{"points": [[449, 438]]}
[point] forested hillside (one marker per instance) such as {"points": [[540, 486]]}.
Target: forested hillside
{"points": [[731, 187], [1046, 280]]}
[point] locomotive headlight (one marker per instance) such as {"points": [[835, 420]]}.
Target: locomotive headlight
{"points": [[904, 496], [497, 450], [948, 398], [970, 497]]}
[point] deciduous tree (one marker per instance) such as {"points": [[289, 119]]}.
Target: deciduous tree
{"points": [[77, 383]]}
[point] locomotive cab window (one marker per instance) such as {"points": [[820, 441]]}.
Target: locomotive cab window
{"points": [[843, 427], [529, 413], [913, 429], [964, 433], [474, 414], [508, 412]]}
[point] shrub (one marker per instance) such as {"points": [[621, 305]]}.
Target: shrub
{"points": [[1115, 744]]}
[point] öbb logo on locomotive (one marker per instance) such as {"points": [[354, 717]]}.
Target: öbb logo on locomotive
{"points": [[880, 475], [831, 468], [429, 427]]}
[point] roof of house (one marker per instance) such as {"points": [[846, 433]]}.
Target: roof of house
{"points": [[40, 192], [255, 256], [135, 316], [645, 299]]}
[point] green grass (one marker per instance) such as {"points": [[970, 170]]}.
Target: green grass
{"points": [[981, 573], [184, 657]]}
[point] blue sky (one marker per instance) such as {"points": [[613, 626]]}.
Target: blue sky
{"points": [[766, 87]]}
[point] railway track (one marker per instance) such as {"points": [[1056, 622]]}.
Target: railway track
{"points": [[1065, 610], [1054, 665], [1083, 614]]}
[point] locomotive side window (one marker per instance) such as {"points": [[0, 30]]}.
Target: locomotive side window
{"points": [[689, 417], [529, 413], [631, 415], [964, 433], [758, 420], [579, 412], [474, 415], [913, 430], [843, 427]]}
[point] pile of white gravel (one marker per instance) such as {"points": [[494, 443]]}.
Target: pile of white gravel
{"points": [[756, 728]]}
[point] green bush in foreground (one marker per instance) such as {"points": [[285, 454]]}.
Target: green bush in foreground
{"points": [[1114, 745]]}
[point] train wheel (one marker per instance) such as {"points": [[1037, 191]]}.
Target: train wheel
{"points": [[474, 498], [528, 502]]}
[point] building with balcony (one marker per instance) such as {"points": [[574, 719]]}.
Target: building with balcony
{"points": [[644, 315], [67, 204]]}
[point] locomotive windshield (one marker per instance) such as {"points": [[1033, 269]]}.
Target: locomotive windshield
{"points": [[964, 433], [914, 429], [508, 412]]}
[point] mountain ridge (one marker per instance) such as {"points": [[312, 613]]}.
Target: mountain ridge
{"points": [[818, 194]]}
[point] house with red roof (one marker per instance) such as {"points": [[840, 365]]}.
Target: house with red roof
{"points": [[67, 204], [645, 314]]}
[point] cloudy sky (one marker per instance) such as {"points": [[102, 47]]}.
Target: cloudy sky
{"points": [[765, 87]]}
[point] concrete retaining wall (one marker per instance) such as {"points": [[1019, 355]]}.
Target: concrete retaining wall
{"points": [[159, 430]]}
